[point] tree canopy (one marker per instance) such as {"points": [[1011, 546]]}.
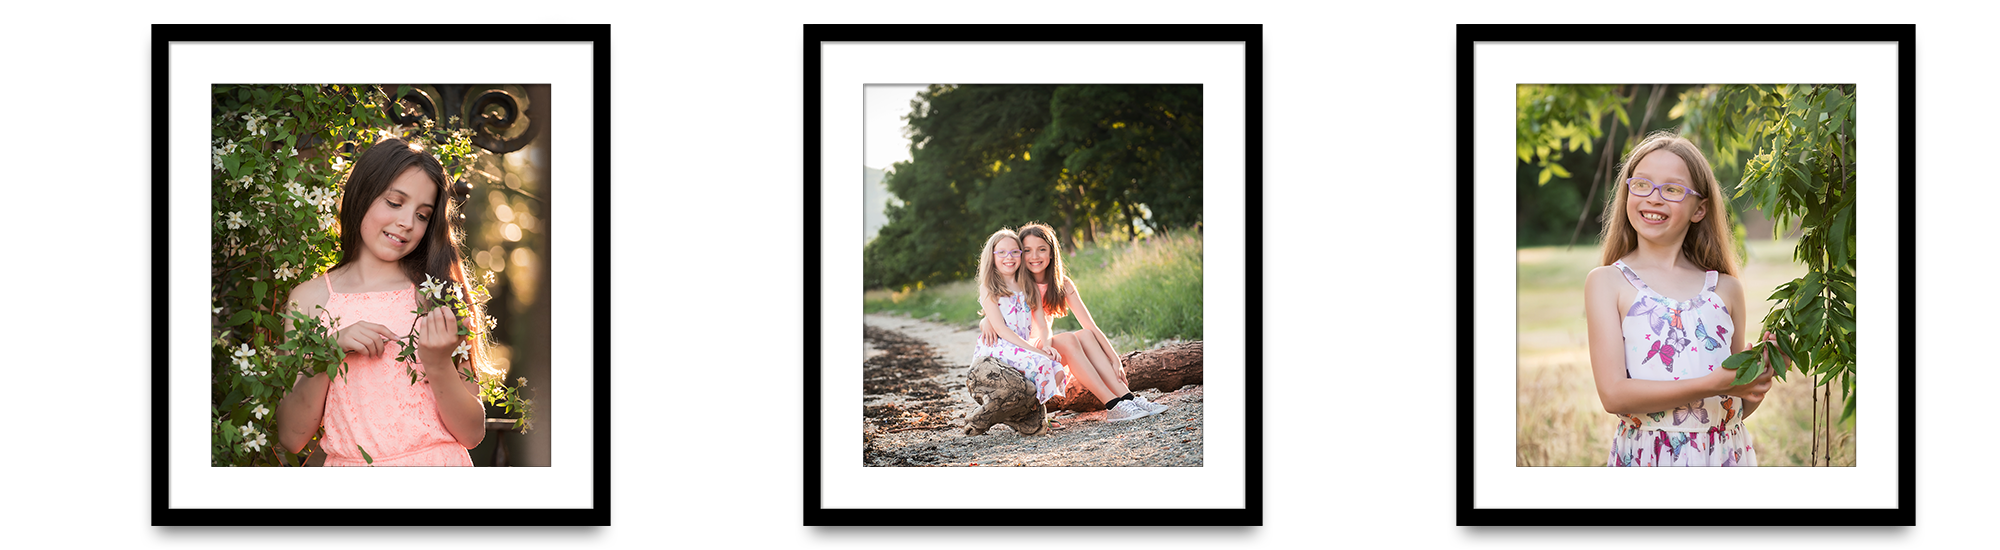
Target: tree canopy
{"points": [[1092, 161]]}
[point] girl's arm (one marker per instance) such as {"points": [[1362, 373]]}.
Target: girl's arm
{"points": [[1082, 313], [1038, 335], [457, 398], [299, 412], [992, 310], [1620, 394], [1732, 297]]}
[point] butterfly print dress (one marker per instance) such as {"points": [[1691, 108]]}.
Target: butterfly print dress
{"points": [[1049, 377], [1666, 339]]}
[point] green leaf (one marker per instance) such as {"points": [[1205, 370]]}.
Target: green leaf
{"points": [[258, 289], [1786, 349], [1749, 371], [1559, 170], [364, 455], [1849, 411], [1735, 361], [1544, 178], [239, 318], [1623, 118], [1784, 292], [1843, 291]]}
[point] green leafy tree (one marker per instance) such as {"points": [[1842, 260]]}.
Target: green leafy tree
{"points": [[1802, 173], [1078, 157]]}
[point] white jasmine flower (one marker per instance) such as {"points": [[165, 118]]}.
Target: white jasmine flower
{"points": [[432, 287], [245, 351], [286, 272], [247, 429], [463, 353], [339, 163], [253, 440], [260, 411], [235, 220]]}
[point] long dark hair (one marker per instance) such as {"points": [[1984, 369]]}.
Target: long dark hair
{"points": [[437, 253], [1054, 302]]}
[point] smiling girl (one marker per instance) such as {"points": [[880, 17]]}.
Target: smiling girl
{"points": [[1024, 345], [395, 229], [1086, 352], [1665, 310]]}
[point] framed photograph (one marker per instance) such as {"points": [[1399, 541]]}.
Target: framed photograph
{"points": [[355, 230], [1049, 250], [1671, 278]]}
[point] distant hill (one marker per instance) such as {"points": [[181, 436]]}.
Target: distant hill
{"points": [[875, 198]]}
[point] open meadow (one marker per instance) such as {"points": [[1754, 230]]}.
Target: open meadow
{"points": [[1140, 293], [1560, 421]]}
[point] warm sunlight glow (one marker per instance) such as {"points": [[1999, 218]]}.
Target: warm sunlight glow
{"points": [[513, 233]]}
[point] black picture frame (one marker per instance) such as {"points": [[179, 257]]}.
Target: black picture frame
{"points": [[1252, 36], [1904, 514], [599, 35]]}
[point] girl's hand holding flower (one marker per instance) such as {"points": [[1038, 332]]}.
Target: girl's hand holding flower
{"points": [[365, 338], [437, 336]]}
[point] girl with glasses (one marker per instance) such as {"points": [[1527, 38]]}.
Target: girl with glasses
{"points": [[1087, 353], [1665, 310], [1024, 345]]}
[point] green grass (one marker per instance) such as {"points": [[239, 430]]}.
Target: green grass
{"points": [[1559, 418], [1138, 293]]}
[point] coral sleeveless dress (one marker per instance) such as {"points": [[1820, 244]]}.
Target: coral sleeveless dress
{"points": [[1049, 377], [374, 405], [1679, 340]]}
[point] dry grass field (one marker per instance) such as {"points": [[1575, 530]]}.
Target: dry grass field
{"points": [[1560, 421]]}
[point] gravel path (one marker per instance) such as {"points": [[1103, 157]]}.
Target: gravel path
{"points": [[914, 405]]}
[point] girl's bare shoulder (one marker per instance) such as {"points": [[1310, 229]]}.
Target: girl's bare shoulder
{"points": [[309, 294], [1603, 277], [1729, 286]]}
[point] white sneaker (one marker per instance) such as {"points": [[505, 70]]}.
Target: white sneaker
{"points": [[1126, 410], [1149, 405]]}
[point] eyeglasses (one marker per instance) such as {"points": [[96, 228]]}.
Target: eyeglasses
{"points": [[1672, 192], [1014, 253]]}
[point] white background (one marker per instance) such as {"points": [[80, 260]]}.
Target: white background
{"points": [[565, 67], [1871, 68], [1218, 67], [1359, 118]]}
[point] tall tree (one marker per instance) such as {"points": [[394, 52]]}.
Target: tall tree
{"points": [[1077, 157]]}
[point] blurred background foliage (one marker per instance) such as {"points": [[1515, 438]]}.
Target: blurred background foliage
{"points": [[1783, 153], [281, 157], [1096, 162]]}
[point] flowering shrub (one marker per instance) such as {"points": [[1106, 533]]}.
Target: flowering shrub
{"points": [[280, 154]]}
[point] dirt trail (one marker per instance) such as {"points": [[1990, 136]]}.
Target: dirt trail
{"points": [[914, 405]]}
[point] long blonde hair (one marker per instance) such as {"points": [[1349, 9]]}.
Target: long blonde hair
{"points": [[1709, 243], [991, 285]]}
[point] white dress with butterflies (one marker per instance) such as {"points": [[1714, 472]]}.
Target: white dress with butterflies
{"points": [[1667, 339]]}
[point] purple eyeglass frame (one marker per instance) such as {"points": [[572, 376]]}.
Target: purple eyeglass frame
{"points": [[1657, 188]]}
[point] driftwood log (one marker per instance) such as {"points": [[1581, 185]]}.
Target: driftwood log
{"points": [[1004, 397], [1167, 368]]}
